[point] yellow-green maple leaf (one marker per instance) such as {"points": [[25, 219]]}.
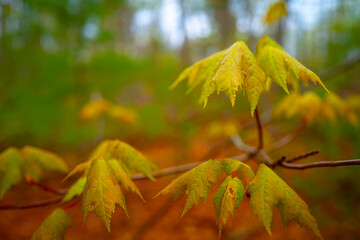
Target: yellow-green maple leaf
{"points": [[227, 198], [133, 160], [75, 190], [275, 12], [37, 159], [10, 169], [281, 68], [123, 178], [268, 191], [196, 183], [82, 167], [54, 226], [102, 192], [236, 69], [234, 166], [198, 72]]}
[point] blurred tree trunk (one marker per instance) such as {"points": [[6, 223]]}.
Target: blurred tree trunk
{"points": [[185, 48], [225, 22]]}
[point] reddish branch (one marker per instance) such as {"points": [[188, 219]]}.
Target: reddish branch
{"points": [[32, 205], [47, 188]]}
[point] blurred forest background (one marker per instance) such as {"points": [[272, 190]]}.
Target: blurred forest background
{"points": [[59, 58]]}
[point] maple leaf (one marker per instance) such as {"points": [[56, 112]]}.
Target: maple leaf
{"points": [[313, 108], [133, 160], [123, 178], [28, 162], [196, 183], [75, 190], [10, 169], [227, 198], [54, 226], [236, 69], [232, 166], [198, 72], [102, 192], [281, 68], [275, 12], [268, 191], [102, 108], [82, 167]]}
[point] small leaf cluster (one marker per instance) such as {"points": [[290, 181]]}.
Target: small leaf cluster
{"points": [[104, 176], [237, 68], [27, 162], [266, 189]]}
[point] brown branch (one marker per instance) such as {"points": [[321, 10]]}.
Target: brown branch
{"points": [[320, 164], [47, 188], [32, 205], [302, 156], [259, 128]]}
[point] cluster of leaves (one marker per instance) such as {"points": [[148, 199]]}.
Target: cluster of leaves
{"points": [[100, 108], [313, 108], [28, 162], [108, 169], [237, 68], [267, 190]]}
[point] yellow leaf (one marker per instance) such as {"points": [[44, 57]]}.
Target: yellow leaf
{"points": [[227, 198], [232, 166], [133, 160], [94, 109], [198, 72], [123, 178], [275, 12], [102, 192], [281, 68], [75, 190], [54, 226], [82, 167], [236, 69], [268, 191], [196, 183], [122, 114]]}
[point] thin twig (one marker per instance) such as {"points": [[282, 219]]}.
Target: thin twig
{"points": [[32, 205], [259, 128], [288, 138], [47, 188], [302, 156], [320, 164]]}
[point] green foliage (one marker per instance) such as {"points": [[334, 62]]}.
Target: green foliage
{"points": [[75, 190], [102, 192], [196, 183], [54, 226], [28, 162], [268, 191], [10, 169], [281, 68], [227, 198]]}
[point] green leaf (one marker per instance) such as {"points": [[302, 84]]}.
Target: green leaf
{"points": [[281, 68], [236, 69], [75, 190], [37, 159], [196, 183], [198, 73], [123, 178], [234, 166], [133, 160], [102, 192], [54, 226], [268, 191], [227, 198], [10, 169]]}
